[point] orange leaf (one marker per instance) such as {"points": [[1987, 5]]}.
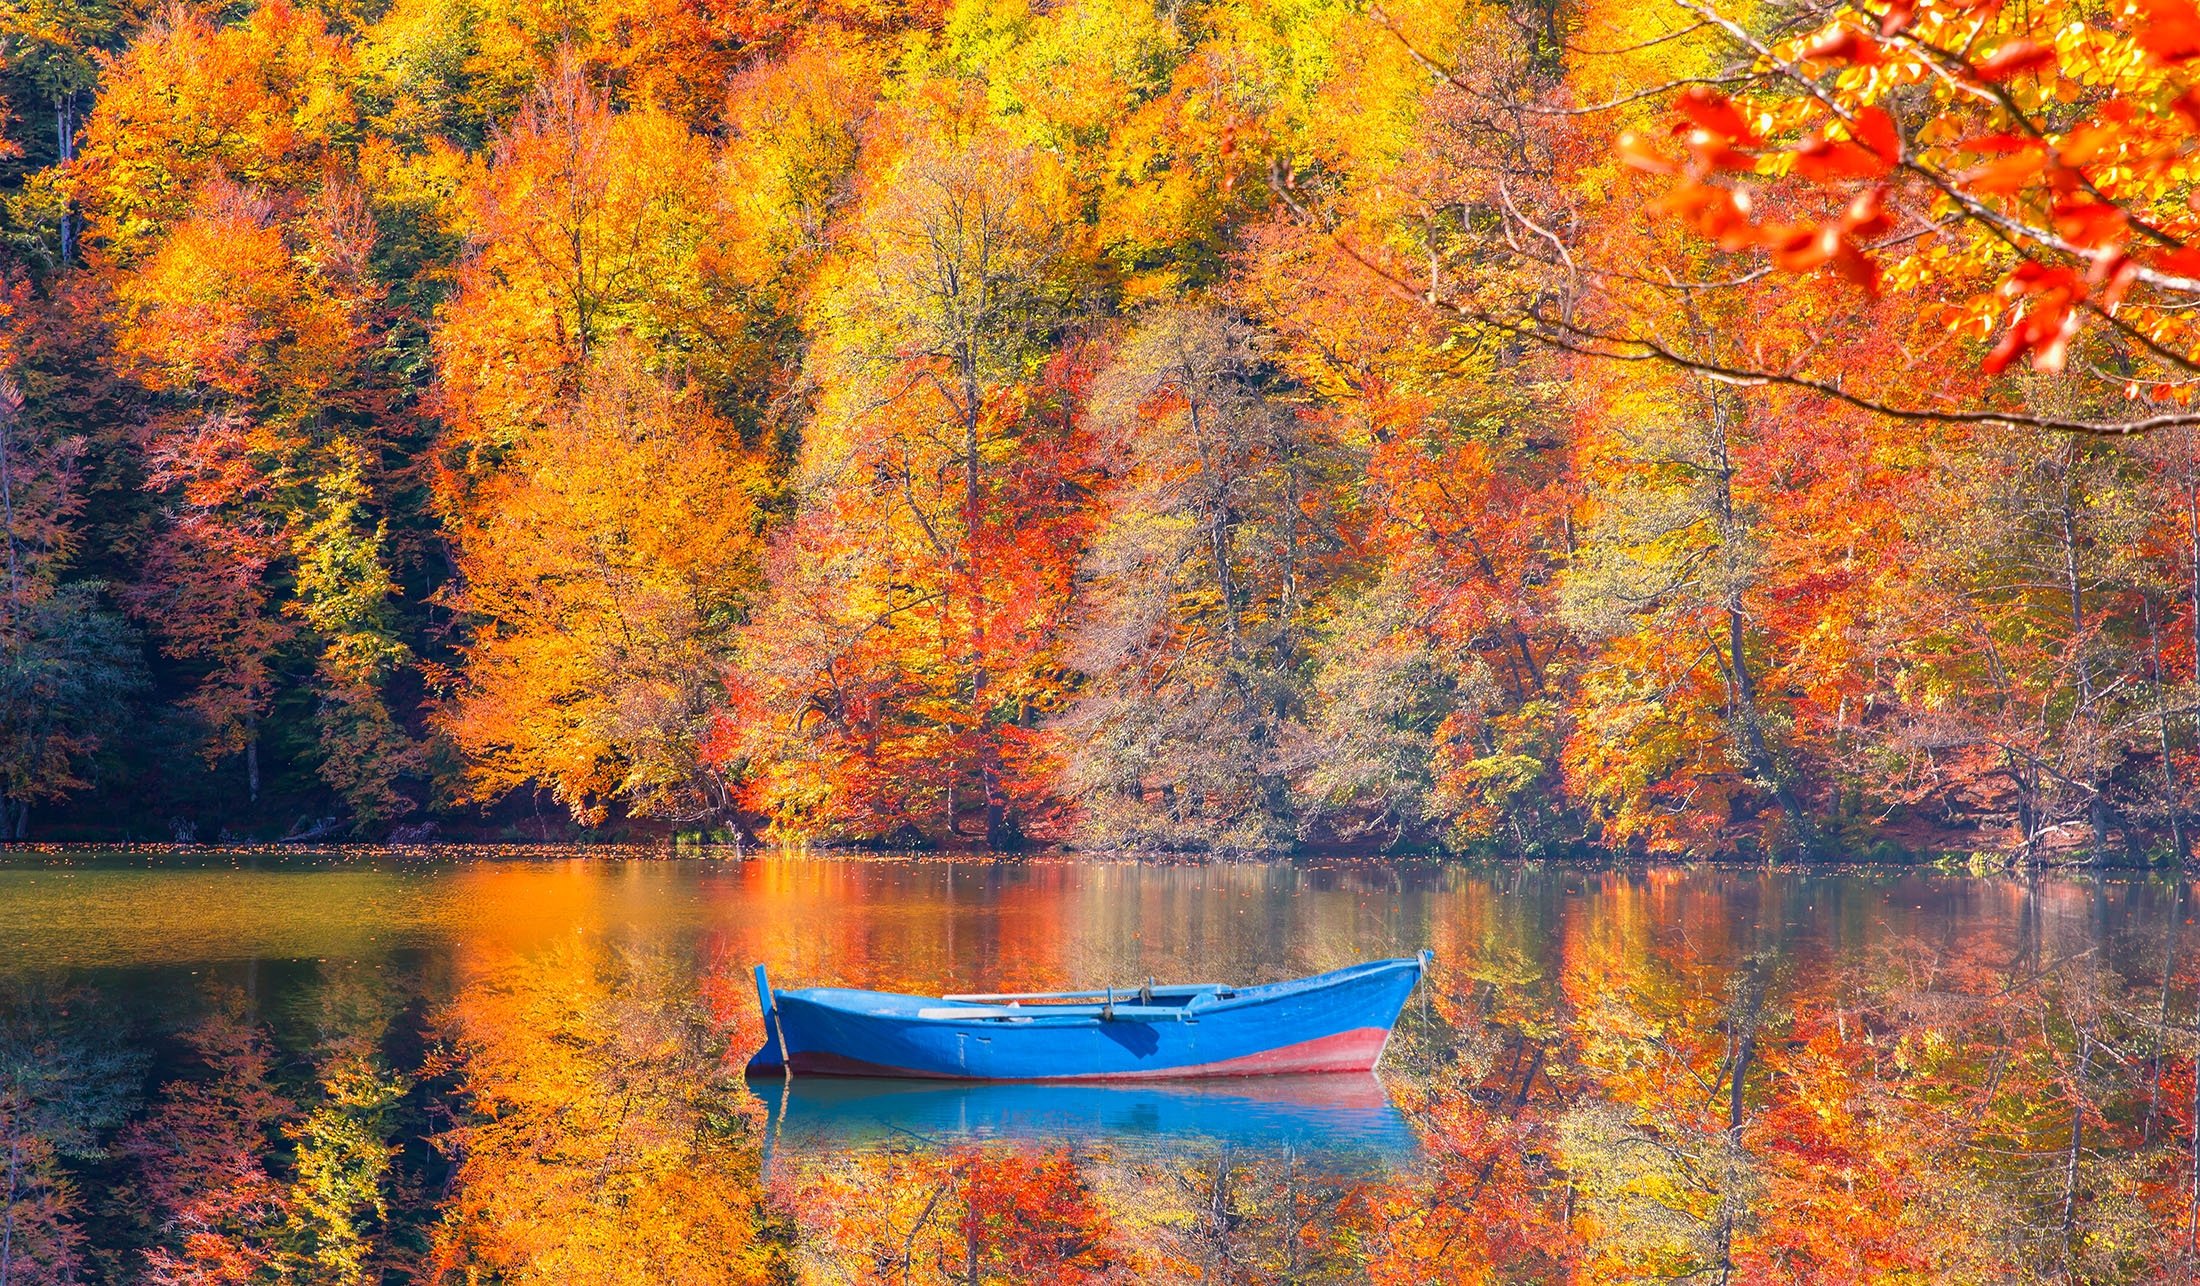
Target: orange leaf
{"points": [[2112, 275], [2004, 352], [2030, 278], [2005, 176], [1714, 211], [2044, 330], [1807, 248], [1844, 44], [2015, 57], [1866, 216], [1635, 151], [2085, 143], [2169, 30], [2088, 222], [1853, 264], [2187, 106], [1995, 143], [1877, 131], [2049, 355], [1821, 159], [1711, 110], [2181, 262], [1713, 152]]}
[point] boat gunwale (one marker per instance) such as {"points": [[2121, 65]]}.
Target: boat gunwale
{"points": [[1046, 1017]]}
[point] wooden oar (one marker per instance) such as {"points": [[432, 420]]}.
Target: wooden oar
{"points": [[1127, 1013], [1185, 989]]}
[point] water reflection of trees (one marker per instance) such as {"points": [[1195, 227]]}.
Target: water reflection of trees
{"points": [[65, 1083], [602, 1134], [568, 1117], [1706, 1110], [1643, 1090], [1006, 1212]]}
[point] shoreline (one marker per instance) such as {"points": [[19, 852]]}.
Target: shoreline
{"points": [[24, 853]]}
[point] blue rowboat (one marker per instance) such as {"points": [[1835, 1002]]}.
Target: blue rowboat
{"points": [[1332, 1022]]}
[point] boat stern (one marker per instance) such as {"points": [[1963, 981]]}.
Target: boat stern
{"points": [[771, 1060]]}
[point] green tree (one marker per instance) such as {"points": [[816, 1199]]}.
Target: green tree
{"points": [[70, 668]]}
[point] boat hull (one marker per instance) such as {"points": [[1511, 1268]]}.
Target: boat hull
{"points": [[1336, 1022]]}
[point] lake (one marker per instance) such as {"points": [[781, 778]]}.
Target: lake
{"points": [[245, 1067]]}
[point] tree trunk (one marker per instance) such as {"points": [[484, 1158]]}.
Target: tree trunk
{"points": [[2192, 1200], [64, 123], [2192, 540], [2172, 804], [1745, 1053], [1218, 1211], [1000, 831], [2077, 1141], [1286, 636], [1218, 520], [2074, 590], [1742, 1024], [1512, 622], [7, 1201], [1741, 684], [7, 510], [2161, 1017]]}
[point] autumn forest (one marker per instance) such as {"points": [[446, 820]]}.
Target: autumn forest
{"points": [[1545, 428]]}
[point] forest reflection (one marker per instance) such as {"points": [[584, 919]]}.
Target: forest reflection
{"points": [[1625, 1077]]}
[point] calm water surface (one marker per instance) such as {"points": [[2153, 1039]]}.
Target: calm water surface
{"points": [[287, 1069]]}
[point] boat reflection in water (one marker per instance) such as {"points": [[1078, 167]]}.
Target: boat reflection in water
{"points": [[1341, 1116]]}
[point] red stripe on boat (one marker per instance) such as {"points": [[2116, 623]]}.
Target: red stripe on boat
{"points": [[1350, 1051]]}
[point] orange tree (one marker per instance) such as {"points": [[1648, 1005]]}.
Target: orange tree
{"points": [[908, 641]]}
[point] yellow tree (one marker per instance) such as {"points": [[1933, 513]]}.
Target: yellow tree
{"points": [[587, 223], [936, 511], [607, 369], [1672, 700], [603, 568]]}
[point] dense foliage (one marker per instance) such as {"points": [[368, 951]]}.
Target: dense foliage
{"points": [[1231, 425]]}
